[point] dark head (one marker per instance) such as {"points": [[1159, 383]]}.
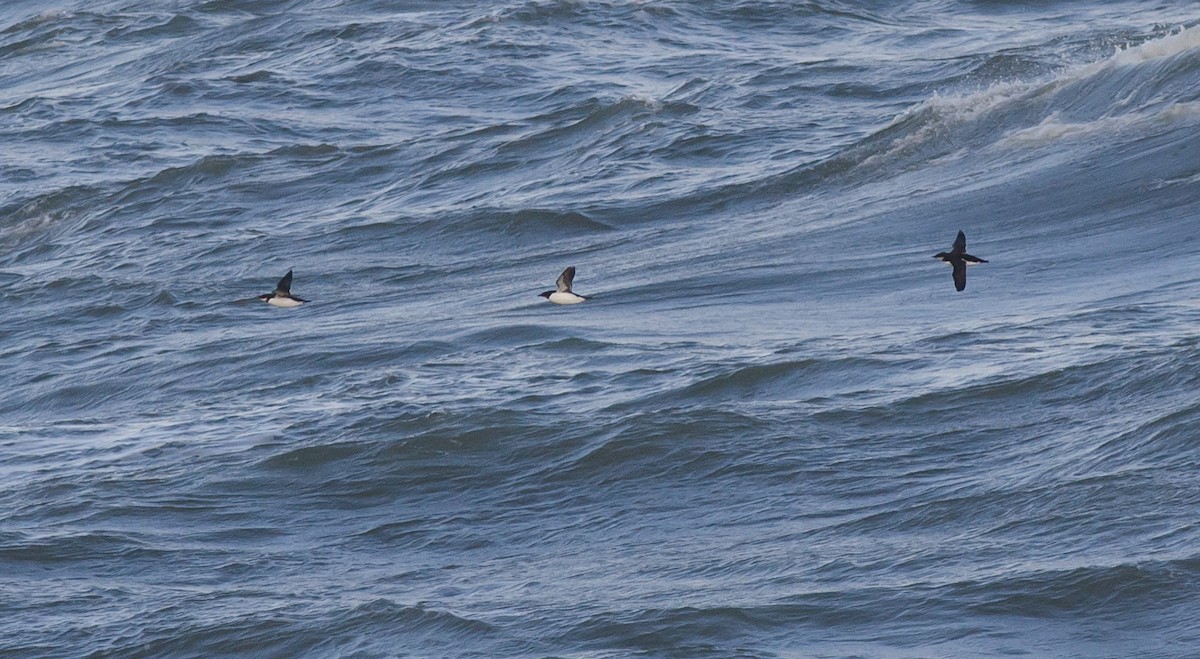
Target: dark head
{"points": [[546, 295], [265, 296]]}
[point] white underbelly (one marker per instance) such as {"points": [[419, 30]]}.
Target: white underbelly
{"points": [[559, 297], [285, 302]]}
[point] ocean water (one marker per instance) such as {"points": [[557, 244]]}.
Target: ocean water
{"points": [[775, 430]]}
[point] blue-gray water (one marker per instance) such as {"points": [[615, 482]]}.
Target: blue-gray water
{"points": [[775, 431]]}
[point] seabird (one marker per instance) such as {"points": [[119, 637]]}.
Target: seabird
{"points": [[282, 295], [564, 294], [959, 259]]}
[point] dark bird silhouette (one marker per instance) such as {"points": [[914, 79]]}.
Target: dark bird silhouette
{"points": [[958, 258]]}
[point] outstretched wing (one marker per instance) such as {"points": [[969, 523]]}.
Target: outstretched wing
{"points": [[960, 243], [960, 274], [285, 285], [565, 279]]}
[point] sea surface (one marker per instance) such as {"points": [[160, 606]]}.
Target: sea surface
{"points": [[775, 429]]}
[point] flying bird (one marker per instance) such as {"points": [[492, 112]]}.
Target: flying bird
{"points": [[563, 294], [282, 295], [959, 259]]}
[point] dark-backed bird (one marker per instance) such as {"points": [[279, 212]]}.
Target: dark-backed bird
{"points": [[282, 295], [563, 294], [959, 259]]}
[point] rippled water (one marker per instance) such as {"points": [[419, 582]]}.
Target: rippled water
{"points": [[774, 430]]}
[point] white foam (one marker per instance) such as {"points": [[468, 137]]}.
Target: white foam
{"points": [[1179, 111], [48, 16], [945, 111], [1052, 129], [970, 105], [1172, 44]]}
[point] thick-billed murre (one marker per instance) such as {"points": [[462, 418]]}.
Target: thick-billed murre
{"points": [[282, 295], [564, 294], [958, 258]]}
